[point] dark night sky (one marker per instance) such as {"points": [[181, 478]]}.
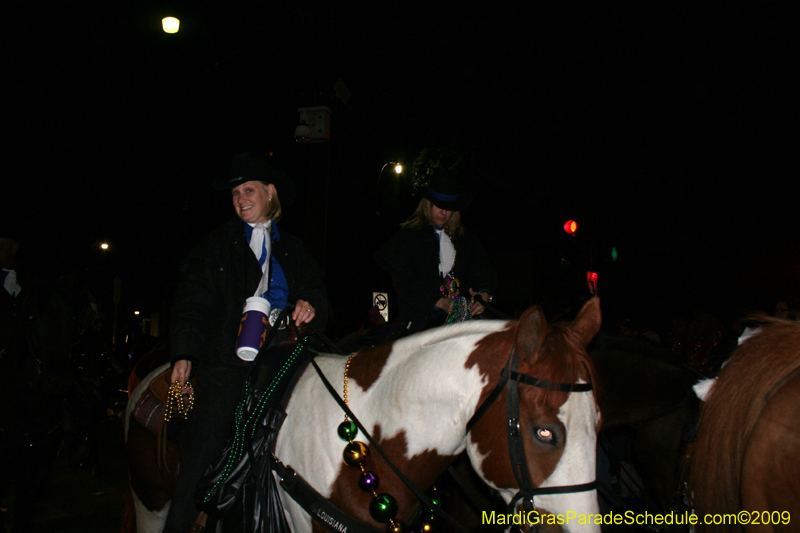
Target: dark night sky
{"points": [[668, 131]]}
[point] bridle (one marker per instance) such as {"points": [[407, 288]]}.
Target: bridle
{"points": [[510, 378], [313, 502]]}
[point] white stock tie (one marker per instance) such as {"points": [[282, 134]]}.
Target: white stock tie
{"points": [[447, 253], [261, 243]]}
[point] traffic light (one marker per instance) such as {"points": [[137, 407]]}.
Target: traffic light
{"points": [[591, 281], [571, 227]]}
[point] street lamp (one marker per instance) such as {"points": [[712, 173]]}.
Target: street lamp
{"points": [[398, 169], [98, 244], [170, 24]]}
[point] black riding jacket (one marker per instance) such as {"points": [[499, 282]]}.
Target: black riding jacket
{"points": [[218, 276]]}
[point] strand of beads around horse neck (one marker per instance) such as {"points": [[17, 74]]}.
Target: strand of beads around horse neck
{"points": [[175, 401], [383, 507]]}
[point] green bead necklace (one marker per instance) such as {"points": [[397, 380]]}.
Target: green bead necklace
{"points": [[243, 427]]}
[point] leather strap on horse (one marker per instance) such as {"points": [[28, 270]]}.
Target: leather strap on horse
{"points": [[516, 448], [549, 385], [516, 445], [506, 374], [489, 307], [480, 411], [326, 514], [407, 482]]}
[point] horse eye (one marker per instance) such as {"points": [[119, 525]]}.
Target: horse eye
{"points": [[545, 435]]}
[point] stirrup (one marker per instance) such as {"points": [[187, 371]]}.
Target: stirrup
{"points": [[199, 525]]}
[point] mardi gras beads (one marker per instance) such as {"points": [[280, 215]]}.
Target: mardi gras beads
{"points": [[461, 307], [175, 402], [248, 424], [383, 507]]}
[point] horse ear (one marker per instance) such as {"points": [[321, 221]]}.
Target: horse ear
{"points": [[587, 324], [531, 331]]}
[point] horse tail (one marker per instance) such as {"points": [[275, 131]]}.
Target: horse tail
{"points": [[744, 386]]}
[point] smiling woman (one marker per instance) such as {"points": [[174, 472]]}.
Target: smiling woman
{"points": [[249, 258], [253, 202]]}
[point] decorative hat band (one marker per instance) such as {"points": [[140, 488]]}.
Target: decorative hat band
{"points": [[442, 197]]}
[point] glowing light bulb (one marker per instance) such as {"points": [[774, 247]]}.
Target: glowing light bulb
{"points": [[170, 24]]}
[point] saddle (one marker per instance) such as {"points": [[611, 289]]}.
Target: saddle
{"points": [[149, 412]]}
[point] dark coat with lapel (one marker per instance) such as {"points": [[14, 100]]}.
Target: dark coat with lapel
{"points": [[411, 256], [218, 276]]}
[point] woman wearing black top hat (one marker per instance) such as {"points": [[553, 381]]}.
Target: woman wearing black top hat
{"points": [[247, 255], [436, 264]]}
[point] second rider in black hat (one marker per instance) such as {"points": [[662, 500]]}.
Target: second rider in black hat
{"points": [[436, 264]]}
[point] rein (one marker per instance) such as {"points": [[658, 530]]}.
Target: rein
{"points": [[407, 482]]}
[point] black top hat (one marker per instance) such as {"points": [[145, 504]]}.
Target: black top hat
{"points": [[444, 193], [249, 167]]}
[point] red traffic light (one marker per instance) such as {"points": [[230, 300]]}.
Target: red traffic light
{"points": [[591, 281], [571, 227]]}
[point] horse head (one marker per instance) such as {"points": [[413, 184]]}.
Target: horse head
{"points": [[551, 436]]}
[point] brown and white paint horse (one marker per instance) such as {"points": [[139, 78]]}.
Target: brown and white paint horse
{"points": [[746, 454], [416, 396], [152, 480]]}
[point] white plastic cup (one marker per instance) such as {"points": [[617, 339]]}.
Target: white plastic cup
{"points": [[253, 328]]}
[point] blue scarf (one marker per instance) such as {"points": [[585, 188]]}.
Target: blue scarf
{"points": [[278, 292]]}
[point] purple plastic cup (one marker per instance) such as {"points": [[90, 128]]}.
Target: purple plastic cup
{"points": [[253, 328]]}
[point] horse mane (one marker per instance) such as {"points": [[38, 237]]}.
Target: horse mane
{"points": [[561, 360], [744, 387]]}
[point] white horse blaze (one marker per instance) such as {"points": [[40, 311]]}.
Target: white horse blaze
{"points": [[577, 465]]}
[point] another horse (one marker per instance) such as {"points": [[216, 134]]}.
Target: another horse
{"points": [[417, 397], [745, 457], [647, 402]]}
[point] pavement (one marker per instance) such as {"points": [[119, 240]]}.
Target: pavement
{"points": [[82, 499]]}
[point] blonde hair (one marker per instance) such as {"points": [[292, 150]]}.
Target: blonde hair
{"points": [[422, 216], [274, 206]]}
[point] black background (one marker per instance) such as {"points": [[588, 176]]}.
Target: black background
{"points": [[667, 130]]}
